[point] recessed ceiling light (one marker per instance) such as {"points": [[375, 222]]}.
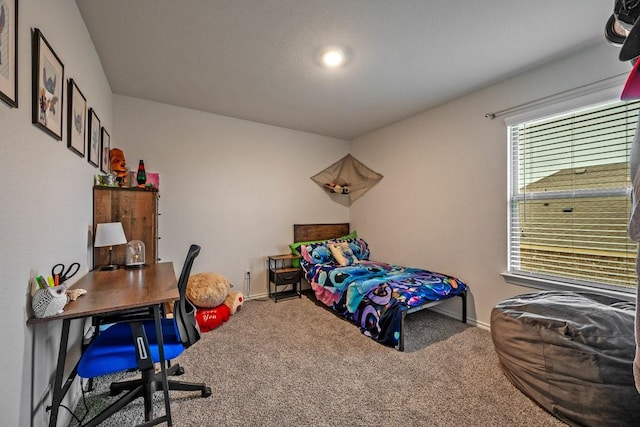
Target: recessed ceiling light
{"points": [[333, 57]]}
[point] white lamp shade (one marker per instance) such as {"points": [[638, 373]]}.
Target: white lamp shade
{"points": [[109, 234]]}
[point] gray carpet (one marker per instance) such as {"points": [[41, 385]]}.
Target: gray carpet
{"points": [[296, 364]]}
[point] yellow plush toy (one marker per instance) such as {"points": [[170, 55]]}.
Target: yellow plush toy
{"points": [[234, 301], [207, 289]]}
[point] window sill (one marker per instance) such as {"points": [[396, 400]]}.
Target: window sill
{"points": [[550, 285]]}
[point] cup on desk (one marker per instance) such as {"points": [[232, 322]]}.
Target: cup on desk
{"points": [[49, 301]]}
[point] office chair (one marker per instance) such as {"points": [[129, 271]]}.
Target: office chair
{"points": [[127, 345]]}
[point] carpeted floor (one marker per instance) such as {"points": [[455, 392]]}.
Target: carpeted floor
{"points": [[296, 364]]}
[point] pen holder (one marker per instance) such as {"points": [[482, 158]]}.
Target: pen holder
{"points": [[49, 301]]}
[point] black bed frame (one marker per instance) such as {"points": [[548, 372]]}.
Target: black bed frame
{"points": [[462, 295], [308, 232]]}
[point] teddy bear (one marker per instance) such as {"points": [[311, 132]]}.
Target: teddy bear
{"points": [[207, 290], [234, 301], [210, 318]]}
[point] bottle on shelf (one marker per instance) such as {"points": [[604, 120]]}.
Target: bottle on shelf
{"points": [[142, 175]]}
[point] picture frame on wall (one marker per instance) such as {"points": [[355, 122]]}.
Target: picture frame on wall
{"points": [[106, 147], [93, 138], [48, 82], [76, 119], [9, 52]]}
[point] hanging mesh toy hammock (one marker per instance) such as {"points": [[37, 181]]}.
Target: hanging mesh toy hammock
{"points": [[346, 180]]}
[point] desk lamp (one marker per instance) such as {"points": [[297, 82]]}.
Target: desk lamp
{"points": [[109, 234]]}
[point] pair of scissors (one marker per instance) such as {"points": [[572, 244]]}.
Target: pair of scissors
{"points": [[62, 274]]}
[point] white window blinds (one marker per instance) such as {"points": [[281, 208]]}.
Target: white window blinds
{"points": [[570, 197]]}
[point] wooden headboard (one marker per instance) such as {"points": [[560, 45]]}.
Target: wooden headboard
{"points": [[308, 232]]}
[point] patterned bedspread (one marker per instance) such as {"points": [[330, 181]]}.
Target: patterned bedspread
{"points": [[373, 294]]}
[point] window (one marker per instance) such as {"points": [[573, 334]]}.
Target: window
{"points": [[570, 197]]}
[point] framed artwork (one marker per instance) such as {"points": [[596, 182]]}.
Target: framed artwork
{"points": [[76, 119], [48, 79], [93, 138], [9, 52], [105, 165]]}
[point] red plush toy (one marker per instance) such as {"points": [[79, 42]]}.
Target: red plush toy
{"points": [[210, 318]]}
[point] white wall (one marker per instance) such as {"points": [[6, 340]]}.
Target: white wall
{"points": [[234, 187], [46, 208], [442, 204]]}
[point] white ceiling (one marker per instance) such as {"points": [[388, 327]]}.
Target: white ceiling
{"points": [[254, 59]]}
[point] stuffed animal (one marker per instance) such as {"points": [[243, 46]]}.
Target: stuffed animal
{"points": [[234, 301], [207, 289], [211, 318], [332, 187]]}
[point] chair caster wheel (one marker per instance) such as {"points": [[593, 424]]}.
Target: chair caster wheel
{"points": [[206, 392]]}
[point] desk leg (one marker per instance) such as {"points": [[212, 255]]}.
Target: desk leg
{"points": [[163, 367], [58, 391]]}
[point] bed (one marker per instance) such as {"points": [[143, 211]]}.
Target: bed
{"points": [[373, 295]]}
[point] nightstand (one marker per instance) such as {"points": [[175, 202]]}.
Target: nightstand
{"points": [[285, 278]]}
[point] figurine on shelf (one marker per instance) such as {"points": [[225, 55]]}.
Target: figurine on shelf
{"points": [[119, 166]]}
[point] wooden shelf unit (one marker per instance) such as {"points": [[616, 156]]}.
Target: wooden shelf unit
{"points": [[137, 210]]}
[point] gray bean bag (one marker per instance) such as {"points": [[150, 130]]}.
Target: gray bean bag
{"points": [[572, 353]]}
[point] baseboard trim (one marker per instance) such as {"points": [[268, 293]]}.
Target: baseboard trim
{"points": [[456, 315]]}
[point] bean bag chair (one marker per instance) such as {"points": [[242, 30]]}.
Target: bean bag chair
{"points": [[572, 353]]}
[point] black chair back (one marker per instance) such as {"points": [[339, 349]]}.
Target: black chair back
{"points": [[183, 310]]}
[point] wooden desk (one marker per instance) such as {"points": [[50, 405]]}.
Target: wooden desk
{"points": [[111, 293]]}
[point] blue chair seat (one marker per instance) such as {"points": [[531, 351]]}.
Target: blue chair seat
{"points": [[116, 345]]}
